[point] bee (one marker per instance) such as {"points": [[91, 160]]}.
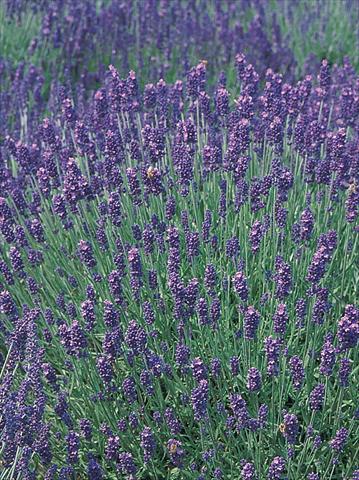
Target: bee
{"points": [[352, 187], [151, 172], [173, 448], [282, 428]]}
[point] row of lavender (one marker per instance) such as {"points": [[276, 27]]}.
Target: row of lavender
{"points": [[72, 43], [178, 276]]}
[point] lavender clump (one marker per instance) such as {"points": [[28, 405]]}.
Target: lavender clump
{"points": [[177, 262]]}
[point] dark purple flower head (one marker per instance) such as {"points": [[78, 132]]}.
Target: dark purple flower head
{"points": [[256, 235], [240, 286], [317, 267], [7, 304], [172, 422], [263, 415], [148, 444], [75, 184], [199, 398], [88, 314], [104, 368], [282, 277], [339, 440], [215, 367], [276, 468], [344, 372], [199, 369], [136, 338], [324, 76], [232, 247], [182, 355], [254, 380], [112, 445], [306, 224], [248, 471], [110, 315], [272, 347], [94, 469], [85, 253], [73, 339], [327, 358], [73, 446], [129, 389], [86, 428], [290, 428], [316, 398], [126, 464], [348, 328], [296, 367], [240, 412], [280, 320], [176, 452], [251, 323], [234, 364]]}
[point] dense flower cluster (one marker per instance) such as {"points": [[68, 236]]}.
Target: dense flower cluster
{"points": [[178, 262]]}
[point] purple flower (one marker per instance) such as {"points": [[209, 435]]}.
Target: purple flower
{"points": [[290, 428], [129, 389], [94, 469], [344, 372], [215, 367], [306, 224], [276, 468], [202, 310], [240, 412], [73, 339], [313, 476], [234, 364], [282, 277], [148, 444], [251, 323], [85, 428], [339, 440], [85, 253], [88, 314], [256, 236], [104, 369], [210, 277], [126, 464], [316, 398], [134, 260], [172, 422], [73, 446], [136, 338], [317, 442], [240, 286], [254, 380], [272, 347], [280, 320], [7, 304], [176, 452], [199, 398], [348, 328], [248, 471], [199, 369], [75, 184], [327, 358], [297, 371]]}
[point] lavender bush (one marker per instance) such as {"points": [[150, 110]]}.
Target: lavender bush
{"points": [[178, 277]]}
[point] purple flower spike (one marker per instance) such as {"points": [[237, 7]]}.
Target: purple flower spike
{"points": [[276, 469]]}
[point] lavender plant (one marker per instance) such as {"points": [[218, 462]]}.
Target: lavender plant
{"points": [[178, 280]]}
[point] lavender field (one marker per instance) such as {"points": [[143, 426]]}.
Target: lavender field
{"points": [[179, 239]]}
